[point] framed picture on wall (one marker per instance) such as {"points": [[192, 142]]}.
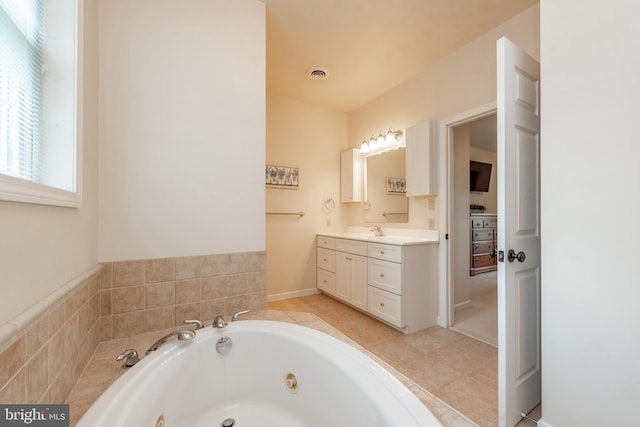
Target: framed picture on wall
{"points": [[396, 185], [282, 177]]}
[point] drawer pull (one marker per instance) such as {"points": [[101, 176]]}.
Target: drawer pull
{"points": [[381, 304], [381, 274], [324, 259], [349, 259], [381, 252]]}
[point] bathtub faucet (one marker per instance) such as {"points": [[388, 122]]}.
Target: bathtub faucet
{"points": [[130, 357], [219, 321], [181, 335]]}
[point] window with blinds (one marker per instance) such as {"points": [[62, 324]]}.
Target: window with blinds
{"points": [[38, 77]]}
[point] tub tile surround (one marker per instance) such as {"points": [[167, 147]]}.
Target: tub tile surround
{"points": [[148, 295], [51, 343], [44, 350]]}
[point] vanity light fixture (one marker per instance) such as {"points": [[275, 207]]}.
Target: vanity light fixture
{"points": [[385, 141]]}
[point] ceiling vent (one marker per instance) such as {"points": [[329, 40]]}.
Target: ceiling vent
{"points": [[318, 73]]}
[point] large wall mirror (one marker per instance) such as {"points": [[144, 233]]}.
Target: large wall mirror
{"points": [[385, 187]]}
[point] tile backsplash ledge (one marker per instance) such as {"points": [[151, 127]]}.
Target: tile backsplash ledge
{"points": [[44, 350]]}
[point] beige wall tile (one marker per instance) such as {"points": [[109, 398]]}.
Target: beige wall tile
{"points": [[94, 285], [106, 275], [128, 273], [71, 336], [214, 265], [189, 267], [106, 328], [257, 261], [160, 295], [71, 305], [94, 308], [257, 301], [55, 354], [188, 291], [235, 304], [257, 281], [37, 336], [59, 388], [189, 311], [37, 379], [211, 308], [15, 391], [57, 317], [214, 287], [83, 321], [159, 318], [83, 293], [105, 303], [160, 270], [128, 299], [128, 324], [11, 359], [236, 284]]}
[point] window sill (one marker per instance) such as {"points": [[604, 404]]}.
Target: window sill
{"points": [[18, 190]]}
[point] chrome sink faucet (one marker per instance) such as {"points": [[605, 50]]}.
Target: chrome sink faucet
{"points": [[181, 335], [378, 231]]}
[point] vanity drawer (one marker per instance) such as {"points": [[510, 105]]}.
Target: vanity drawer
{"points": [[351, 246], [386, 252], [483, 234], [326, 281], [385, 305], [326, 242], [327, 259], [385, 275], [482, 247]]}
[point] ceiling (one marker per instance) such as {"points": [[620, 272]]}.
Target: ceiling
{"points": [[368, 46]]}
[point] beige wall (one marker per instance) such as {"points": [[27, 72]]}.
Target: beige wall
{"points": [[44, 247], [182, 128], [310, 138], [589, 173], [459, 82]]}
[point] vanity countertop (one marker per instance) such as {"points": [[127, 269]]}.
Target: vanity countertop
{"points": [[391, 239]]}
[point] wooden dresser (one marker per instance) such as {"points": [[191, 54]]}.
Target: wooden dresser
{"points": [[484, 239]]}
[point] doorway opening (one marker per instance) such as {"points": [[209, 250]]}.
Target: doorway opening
{"points": [[473, 225]]}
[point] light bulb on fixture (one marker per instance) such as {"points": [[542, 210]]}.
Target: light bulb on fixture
{"points": [[380, 140], [364, 147], [373, 144]]}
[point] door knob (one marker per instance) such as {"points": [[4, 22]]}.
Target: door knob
{"points": [[512, 256], [493, 253]]}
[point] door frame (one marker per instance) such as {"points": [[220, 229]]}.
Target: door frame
{"points": [[445, 141]]}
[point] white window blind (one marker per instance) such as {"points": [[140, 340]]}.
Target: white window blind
{"points": [[21, 56], [40, 101]]}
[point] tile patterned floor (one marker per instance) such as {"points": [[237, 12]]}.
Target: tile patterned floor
{"points": [[457, 369], [454, 375]]}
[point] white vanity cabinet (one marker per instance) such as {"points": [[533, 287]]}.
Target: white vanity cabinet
{"points": [[351, 272], [326, 264], [395, 283], [350, 176], [422, 159]]}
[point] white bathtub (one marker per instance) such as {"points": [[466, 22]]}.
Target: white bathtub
{"points": [[189, 383]]}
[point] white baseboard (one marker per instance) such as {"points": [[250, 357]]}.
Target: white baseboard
{"points": [[543, 423], [293, 294], [461, 305]]}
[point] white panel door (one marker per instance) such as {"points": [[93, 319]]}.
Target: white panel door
{"points": [[519, 374]]}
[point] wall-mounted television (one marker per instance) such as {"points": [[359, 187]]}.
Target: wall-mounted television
{"points": [[480, 175]]}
